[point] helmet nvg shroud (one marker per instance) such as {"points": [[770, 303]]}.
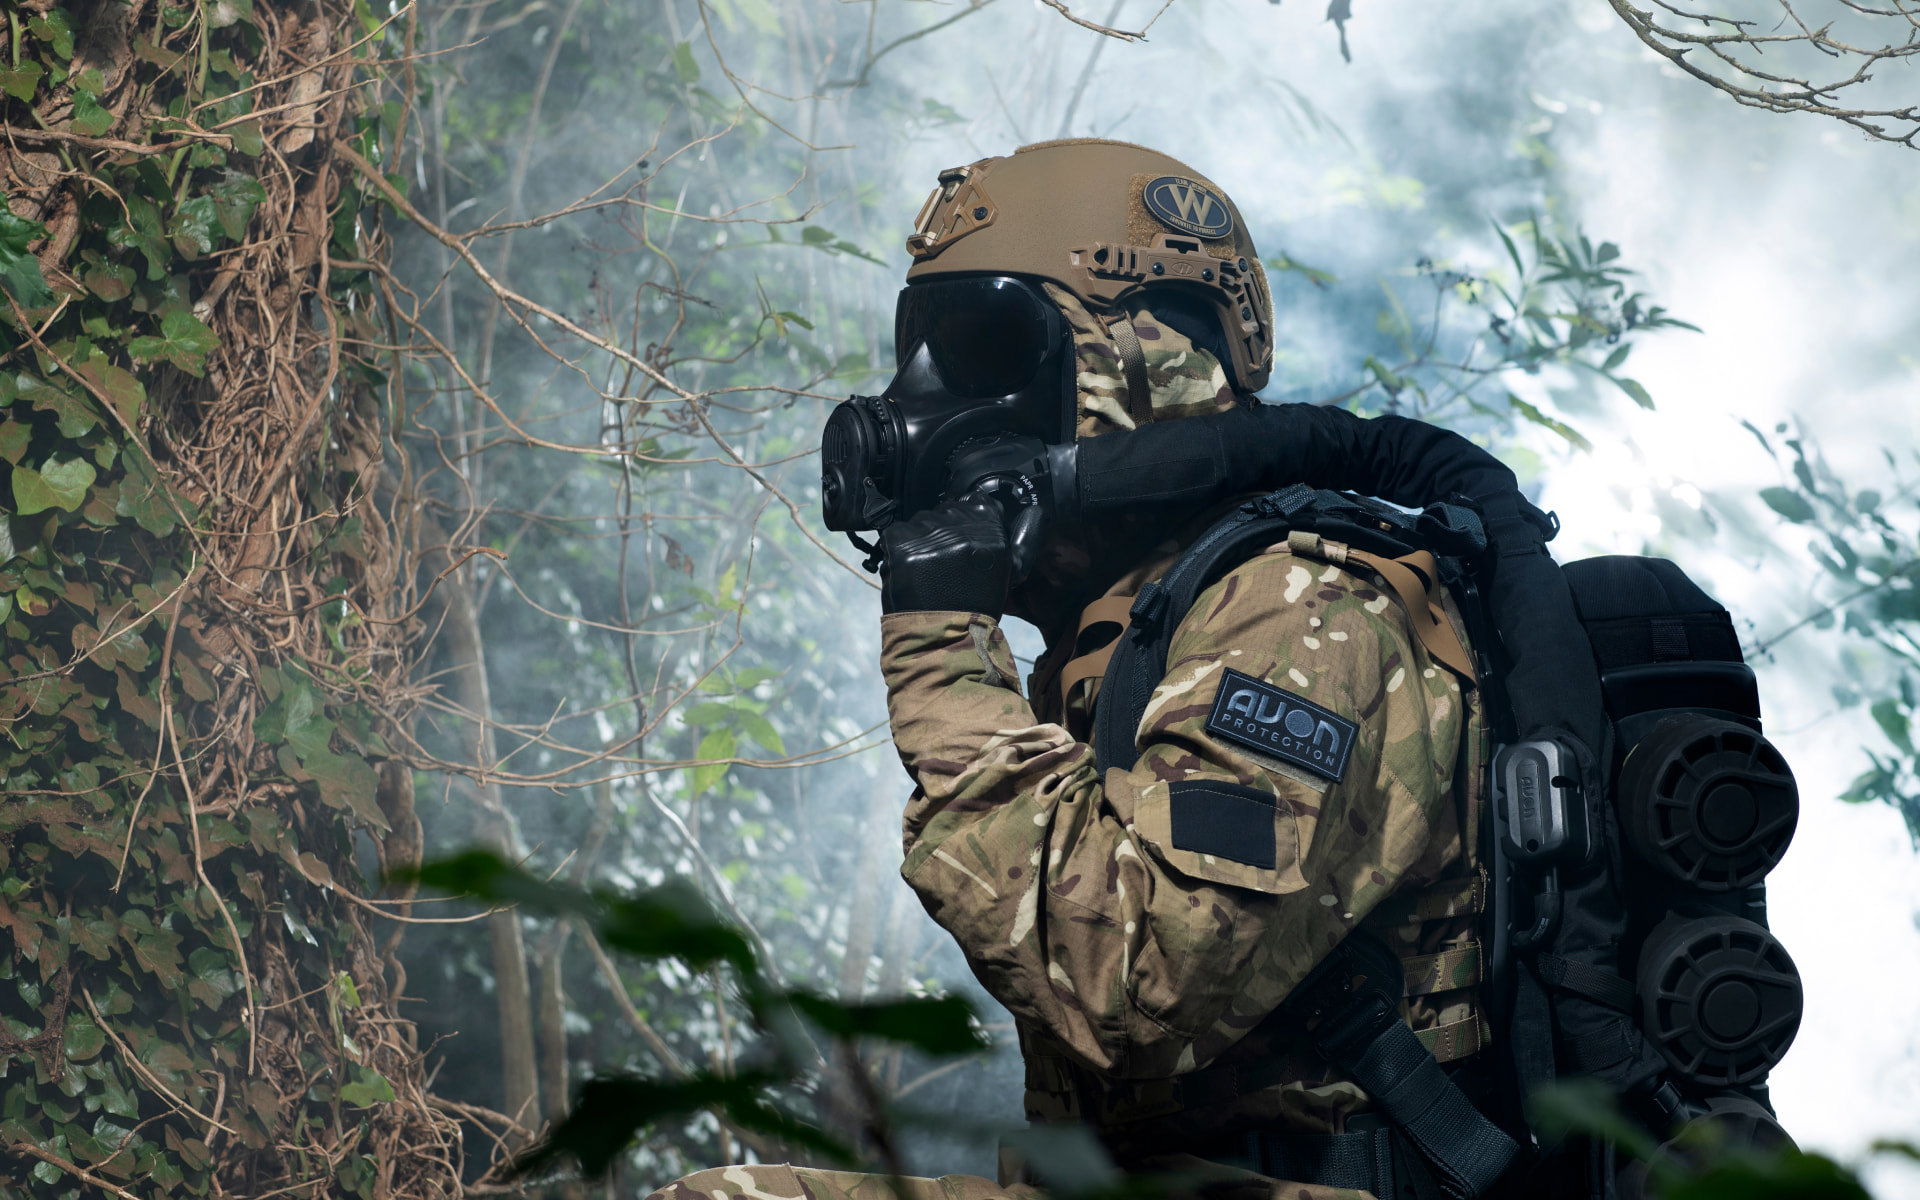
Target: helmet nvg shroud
{"points": [[1103, 220]]}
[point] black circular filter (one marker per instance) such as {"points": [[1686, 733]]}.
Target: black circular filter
{"points": [[988, 334], [1720, 997], [1709, 802], [857, 445]]}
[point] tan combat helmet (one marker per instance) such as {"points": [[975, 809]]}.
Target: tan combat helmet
{"points": [[1103, 220]]}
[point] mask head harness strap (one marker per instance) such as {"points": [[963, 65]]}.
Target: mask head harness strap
{"points": [[1133, 365]]}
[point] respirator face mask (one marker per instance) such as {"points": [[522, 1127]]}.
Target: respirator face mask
{"points": [[986, 368]]}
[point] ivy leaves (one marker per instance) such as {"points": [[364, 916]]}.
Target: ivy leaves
{"points": [[60, 482], [20, 271], [184, 340]]}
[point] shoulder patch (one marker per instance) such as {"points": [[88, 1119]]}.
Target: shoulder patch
{"points": [[1188, 206], [1276, 722]]}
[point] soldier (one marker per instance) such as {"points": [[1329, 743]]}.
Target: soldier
{"points": [[1309, 770]]}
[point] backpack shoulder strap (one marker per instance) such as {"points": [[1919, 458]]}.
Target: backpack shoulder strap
{"points": [[1139, 658]]}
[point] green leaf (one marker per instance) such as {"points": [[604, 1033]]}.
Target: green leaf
{"points": [[142, 232], [1893, 722], [21, 81], [89, 117], [54, 29], [1287, 262], [1788, 503], [717, 744], [1617, 357], [234, 200], [1607, 253], [831, 243], [761, 730], [83, 1039], [72, 413], [1586, 1106], [1520, 268], [671, 921], [108, 280], [939, 113], [683, 64], [367, 1089], [610, 1111], [61, 482], [1068, 1158], [192, 231], [1786, 1175], [184, 341], [1632, 388], [247, 138], [20, 271], [1527, 411], [117, 384], [14, 436], [144, 496], [942, 1025], [712, 712]]}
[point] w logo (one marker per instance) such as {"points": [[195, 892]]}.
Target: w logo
{"points": [[1188, 206]]}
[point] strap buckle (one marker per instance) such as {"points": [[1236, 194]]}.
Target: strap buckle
{"points": [[1148, 607]]}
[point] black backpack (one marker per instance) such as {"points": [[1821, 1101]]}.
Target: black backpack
{"points": [[1630, 945]]}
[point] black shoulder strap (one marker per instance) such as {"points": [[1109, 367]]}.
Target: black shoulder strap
{"points": [[1140, 660]]}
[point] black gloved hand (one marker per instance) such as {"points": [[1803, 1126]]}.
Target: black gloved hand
{"points": [[954, 557], [1035, 485]]}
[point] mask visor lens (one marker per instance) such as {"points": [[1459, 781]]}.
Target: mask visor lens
{"points": [[987, 336]]}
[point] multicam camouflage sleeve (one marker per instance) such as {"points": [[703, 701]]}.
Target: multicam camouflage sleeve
{"points": [[1148, 920]]}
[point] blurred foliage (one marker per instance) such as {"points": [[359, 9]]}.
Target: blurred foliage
{"points": [[1699, 1162], [1566, 306], [1866, 541], [673, 922]]}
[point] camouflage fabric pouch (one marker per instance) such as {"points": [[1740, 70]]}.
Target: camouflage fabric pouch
{"points": [[1221, 832]]}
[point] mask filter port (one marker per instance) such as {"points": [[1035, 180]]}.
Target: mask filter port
{"points": [[1708, 802], [1720, 997]]}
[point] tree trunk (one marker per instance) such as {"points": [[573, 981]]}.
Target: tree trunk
{"points": [[495, 828], [201, 619]]}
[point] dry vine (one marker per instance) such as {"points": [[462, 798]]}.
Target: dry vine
{"points": [[1736, 51], [175, 171]]}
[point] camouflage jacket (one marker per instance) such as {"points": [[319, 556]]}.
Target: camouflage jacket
{"points": [[1123, 955]]}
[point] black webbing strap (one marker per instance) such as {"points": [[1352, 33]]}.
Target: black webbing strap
{"points": [[1351, 1007], [1585, 979], [1361, 1160], [1468, 1152], [1139, 660]]}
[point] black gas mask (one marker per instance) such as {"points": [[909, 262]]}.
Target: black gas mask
{"points": [[984, 396]]}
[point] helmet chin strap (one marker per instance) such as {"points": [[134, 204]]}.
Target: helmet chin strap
{"points": [[1133, 364]]}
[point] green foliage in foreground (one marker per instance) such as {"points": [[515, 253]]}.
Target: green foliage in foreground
{"points": [[672, 921], [1699, 1163]]}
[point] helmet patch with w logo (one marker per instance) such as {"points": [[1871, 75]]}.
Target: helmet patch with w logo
{"points": [[1188, 206]]}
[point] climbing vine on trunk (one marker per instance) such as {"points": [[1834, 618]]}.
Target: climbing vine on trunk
{"points": [[203, 616]]}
